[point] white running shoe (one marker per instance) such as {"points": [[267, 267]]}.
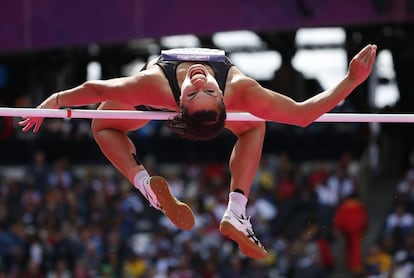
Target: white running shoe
{"points": [[239, 229]]}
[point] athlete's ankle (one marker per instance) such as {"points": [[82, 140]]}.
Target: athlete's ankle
{"points": [[141, 180], [132, 173], [237, 203]]}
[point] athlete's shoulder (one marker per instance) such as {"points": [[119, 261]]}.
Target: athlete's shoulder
{"points": [[238, 79], [149, 79]]}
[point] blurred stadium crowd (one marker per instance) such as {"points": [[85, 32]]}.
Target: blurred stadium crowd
{"points": [[59, 220]]}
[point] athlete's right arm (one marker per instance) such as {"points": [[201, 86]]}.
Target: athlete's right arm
{"points": [[276, 107], [129, 90]]}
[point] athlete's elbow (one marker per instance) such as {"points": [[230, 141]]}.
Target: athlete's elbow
{"points": [[303, 123], [303, 119]]}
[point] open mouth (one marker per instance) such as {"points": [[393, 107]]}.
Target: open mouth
{"points": [[196, 71]]}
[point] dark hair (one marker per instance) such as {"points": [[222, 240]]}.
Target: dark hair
{"points": [[200, 125]]}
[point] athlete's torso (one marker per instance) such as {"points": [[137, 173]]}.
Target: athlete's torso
{"points": [[226, 74]]}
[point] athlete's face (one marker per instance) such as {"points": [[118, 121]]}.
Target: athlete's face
{"points": [[199, 90]]}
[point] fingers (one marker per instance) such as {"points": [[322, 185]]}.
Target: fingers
{"points": [[371, 52], [367, 55], [368, 51], [373, 55], [363, 52], [23, 122], [29, 123], [37, 126], [26, 125]]}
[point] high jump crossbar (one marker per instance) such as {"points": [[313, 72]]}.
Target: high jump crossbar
{"points": [[156, 115]]}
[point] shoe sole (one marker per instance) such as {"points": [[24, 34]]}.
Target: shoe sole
{"points": [[247, 247], [179, 213]]}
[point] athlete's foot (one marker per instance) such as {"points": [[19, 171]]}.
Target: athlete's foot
{"points": [[239, 229], [178, 212]]}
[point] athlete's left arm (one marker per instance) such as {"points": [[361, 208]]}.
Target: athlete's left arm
{"points": [[276, 107]]}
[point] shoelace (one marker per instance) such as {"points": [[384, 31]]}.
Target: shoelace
{"points": [[153, 202], [249, 230], [251, 235]]}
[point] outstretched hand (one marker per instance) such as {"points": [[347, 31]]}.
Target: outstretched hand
{"points": [[27, 123], [360, 66]]}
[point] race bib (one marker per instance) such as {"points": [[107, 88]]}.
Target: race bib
{"points": [[193, 54]]}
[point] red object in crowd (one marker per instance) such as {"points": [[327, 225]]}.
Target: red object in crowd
{"points": [[351, 219]]}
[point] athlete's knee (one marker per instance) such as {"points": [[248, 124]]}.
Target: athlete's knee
{"points": [[95, 126], [260, 127], [257, 128], [98, 127]]}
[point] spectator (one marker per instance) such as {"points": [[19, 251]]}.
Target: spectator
{"points": [[134, 266], [308, 258], [327, 201], [378, 262], [409, 246], [61, 176], [318, 175], [402, 267], [61, 270], [351, 220], [399, 224], [405, 190], [38, 171], [327, 256], [266, 177], [342, 182], [33, 270]]}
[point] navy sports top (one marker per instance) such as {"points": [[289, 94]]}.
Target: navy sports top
{"points": [[169, 68], [168, 63]]}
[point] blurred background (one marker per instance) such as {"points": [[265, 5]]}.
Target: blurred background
{"points": [[329, 200]]}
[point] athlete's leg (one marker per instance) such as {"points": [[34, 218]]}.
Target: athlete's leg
{"points": [[112, 137], [246, 155], [243, 164]]}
